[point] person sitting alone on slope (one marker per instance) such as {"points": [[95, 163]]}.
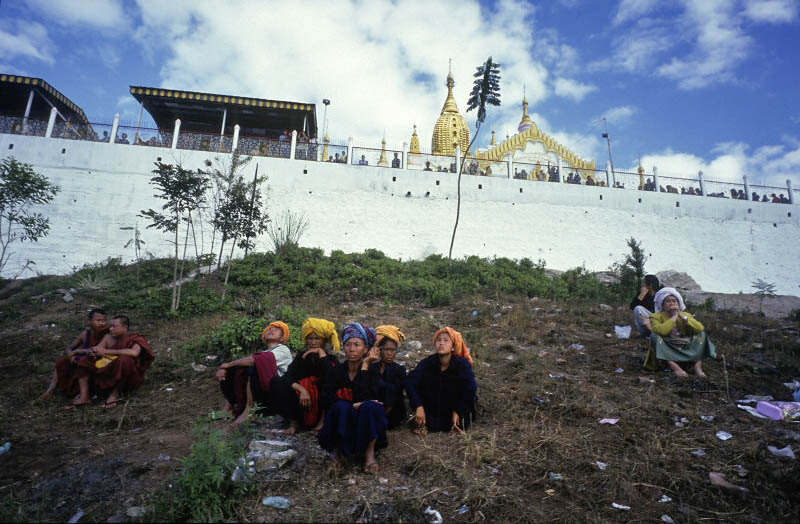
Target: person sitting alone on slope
{"points": [[677, 336]]}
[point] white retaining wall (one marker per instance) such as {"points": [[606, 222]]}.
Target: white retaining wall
{"points": [[723, 244]]}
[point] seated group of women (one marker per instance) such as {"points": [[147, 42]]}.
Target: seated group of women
{"points": [[675, 335], [351, 404]]}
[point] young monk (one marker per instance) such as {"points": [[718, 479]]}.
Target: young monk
{"points": [[677, 336], [391, 374], [74, 370], [442, 388], [354, 421], [308, 372], [121, 360], [256, 377]]}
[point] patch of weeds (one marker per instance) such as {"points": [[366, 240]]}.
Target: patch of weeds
{"points": [[203, 490]]}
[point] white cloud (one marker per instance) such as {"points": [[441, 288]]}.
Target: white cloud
{"points": [[572, 89], [629, 9], [771, 11], [30, 41], [618, 115], [382, 64], [101, 14], [768, 165]]}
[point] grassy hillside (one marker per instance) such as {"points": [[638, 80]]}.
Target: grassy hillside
{"points": [[519, 323]]}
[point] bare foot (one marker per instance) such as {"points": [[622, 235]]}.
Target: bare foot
{"points": [[240, 420], [292, 429], [679, 372], [318, 426], [77, 404], [421, 431], [698, 370], [371, 468], [227, 406], [47, 394]]}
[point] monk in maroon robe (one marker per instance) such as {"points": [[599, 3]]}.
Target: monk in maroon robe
{"points": [[73, 371], [122, 358]]}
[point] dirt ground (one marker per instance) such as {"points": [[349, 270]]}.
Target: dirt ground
{"points": [[532, 456]]}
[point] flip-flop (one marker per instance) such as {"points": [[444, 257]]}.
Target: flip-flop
{"points": [[76, 406], [371, 469]]}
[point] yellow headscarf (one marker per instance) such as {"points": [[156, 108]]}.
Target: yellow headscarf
{"points": [[392, 332], [324, 328], [280, 325], [460, 348]]}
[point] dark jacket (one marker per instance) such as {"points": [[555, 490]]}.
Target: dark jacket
{"points": [[338, 386], [441, 393], [390, 390]]}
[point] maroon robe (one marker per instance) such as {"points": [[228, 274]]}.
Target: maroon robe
{"points": [[69, 373], [124, 372]]}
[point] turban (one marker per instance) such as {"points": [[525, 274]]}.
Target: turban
{"points": [[278, 324], [324, 328], [390, 332], [365, 333], [460, 349], [663, 293]]}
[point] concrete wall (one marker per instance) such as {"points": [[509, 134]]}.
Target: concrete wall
{"points": [[724, 244]]}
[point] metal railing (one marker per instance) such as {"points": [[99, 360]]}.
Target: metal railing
{"points": [[370, 156], [431, 162], [21, 126]]}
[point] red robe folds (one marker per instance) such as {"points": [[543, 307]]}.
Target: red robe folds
{"points": [[69, 373], [125, 373]]}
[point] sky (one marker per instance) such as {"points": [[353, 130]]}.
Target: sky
{"points": [[684, 85]]}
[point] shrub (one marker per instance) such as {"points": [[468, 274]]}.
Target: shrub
{"points": [[204, 490]]}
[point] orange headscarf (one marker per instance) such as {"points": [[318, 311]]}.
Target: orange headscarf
{"points": [[388, 331], [278, 324], [460, 349]]}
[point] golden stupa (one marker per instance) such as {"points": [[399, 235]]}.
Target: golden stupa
{"points": [[451, 129], [414, 142]]}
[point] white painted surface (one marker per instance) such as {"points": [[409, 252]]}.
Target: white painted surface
{"points": [[724, 244]]}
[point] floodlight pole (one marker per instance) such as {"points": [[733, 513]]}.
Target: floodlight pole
{"points": [[608, 140], [326, 103]]}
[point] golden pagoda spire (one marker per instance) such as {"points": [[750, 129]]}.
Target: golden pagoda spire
{"points": [[450, 129], [414, 146], [526, 122], [382, 160], [325, 141]]}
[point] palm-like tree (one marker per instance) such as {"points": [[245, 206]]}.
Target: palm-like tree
{"points": [[485, 90]]}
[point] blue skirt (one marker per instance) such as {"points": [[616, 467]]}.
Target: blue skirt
{"points": [[351, 430]]}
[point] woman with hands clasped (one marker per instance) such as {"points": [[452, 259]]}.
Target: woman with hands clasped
{"points": [[354, 420], [677, 336]]}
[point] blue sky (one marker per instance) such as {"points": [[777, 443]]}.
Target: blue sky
{"points": [[684, 84]]}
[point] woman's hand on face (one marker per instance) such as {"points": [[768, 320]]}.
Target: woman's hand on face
{"points": [[643, 292], [373, 355], [419, 416]]}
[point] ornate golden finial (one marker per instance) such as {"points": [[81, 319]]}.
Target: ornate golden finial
{"points": [[325, 141], [414, 146], [382, 160], [641, 177], [526, 122], [450, 130], [492, 142]]}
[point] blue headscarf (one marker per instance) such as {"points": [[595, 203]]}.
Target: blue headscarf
{"points": [[365, 333]]}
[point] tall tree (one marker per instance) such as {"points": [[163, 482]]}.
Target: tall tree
{"points": [[21, 188], [485, 90], [183, 192]]}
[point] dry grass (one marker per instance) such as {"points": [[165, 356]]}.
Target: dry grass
{"points": [[529, 425]]}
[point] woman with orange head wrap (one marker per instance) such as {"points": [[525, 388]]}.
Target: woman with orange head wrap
{"points": [[257, 376], [307, 372], [392, 375], [442, 388]]}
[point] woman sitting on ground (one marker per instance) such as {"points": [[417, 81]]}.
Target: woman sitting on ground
{"points": [[354, 419], [392, 375], [307, 372], [256, 378], [442, 388], [643, 305], [677, 336]]}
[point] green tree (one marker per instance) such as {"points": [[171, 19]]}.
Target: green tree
{"points": [[21, 188], [763, 289], [631, 269], [485, 90], [184, 192], [223, 178]]}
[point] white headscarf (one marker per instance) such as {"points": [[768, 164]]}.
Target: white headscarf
{"points": [[663, 293]]}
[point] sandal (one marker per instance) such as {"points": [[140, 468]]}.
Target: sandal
{"points": [[371, 468]]}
